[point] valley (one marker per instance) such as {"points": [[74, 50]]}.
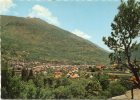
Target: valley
{"points": [[70, 50]]}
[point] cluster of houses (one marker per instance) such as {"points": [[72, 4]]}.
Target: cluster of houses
{"points": [[70, 71], [58, 71], [19, 66]]}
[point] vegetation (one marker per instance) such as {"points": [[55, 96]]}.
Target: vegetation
{"points": [[124, 36], [33, 39], [125, 29], [41, 86], [116, 89]]}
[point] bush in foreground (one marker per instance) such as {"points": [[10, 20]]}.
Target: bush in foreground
{"points": [[116, 89]]}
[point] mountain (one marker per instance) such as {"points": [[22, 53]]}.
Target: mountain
{"points": [[33, 39]]}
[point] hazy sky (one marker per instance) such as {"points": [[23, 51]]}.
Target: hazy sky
{"points": [[90, 19]]}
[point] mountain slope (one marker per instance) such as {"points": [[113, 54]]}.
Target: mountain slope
{"points": [[35, 39]]}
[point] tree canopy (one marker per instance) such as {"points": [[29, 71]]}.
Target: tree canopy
{"points": [[124, 36]]}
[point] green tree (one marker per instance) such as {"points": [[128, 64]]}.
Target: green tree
{"points": [[24, 74], [15, 87], [125, 82], [40, 93], [39, 80], [77, 90], [29, 90], [49, 81], [93, 88], [31, 74], [125, 31], [62, 93], [10, 85], [104, 81]]}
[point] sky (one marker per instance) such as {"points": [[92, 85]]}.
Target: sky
{"points": [[89, 19]]}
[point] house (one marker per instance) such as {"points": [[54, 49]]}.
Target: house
{"points": [[99, 67], [38, 69], [17, 69], [74, 69], [57, 74], [74, 75]]}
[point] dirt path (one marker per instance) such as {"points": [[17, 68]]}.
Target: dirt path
{"points": [[127, 95]]}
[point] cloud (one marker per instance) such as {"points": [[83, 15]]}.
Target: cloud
{"points": [[81, 34], [6, 5], [43, 13]]}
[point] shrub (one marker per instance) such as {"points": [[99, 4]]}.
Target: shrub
{"points": [[4, 93], [62, 93], [124, 81], [93, 88], [105, 94], [28, 90], [39, 80], [104, 81], [116, 89], [76, 89], [43, 93]]}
